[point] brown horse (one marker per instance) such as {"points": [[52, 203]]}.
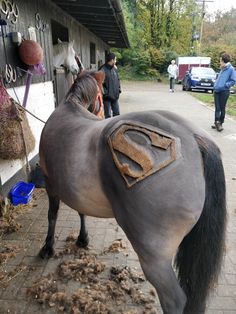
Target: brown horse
{"points": [[157, 174]]}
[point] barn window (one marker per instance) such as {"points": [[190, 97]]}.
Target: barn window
{"points": [[92, 53], [59, 31]]}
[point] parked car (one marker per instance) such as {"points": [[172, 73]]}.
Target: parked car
{"points": [[202, 78], [187, 62]]}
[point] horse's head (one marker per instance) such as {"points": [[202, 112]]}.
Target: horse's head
{"points": [[87, 91], [64, 54], [70, 60]]}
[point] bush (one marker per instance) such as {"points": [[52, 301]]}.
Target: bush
{"points": [[129, 73], [157, 58], [144, 64]]}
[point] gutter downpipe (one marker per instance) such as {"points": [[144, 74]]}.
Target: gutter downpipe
{"points": [[116, 7]]}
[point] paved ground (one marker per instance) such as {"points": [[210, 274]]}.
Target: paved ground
{"points": [[25, 268]]}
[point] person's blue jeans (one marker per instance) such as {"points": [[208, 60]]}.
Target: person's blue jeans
{"points": [[111, 108], [220, 104]]}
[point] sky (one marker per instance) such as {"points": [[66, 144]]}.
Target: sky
{"points": [[221, 5]]}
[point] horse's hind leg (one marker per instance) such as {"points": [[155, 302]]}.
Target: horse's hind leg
{"points": [[83, 238], [47, 250], [160, 274], [156, 238]]}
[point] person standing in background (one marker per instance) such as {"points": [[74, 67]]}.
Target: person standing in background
{"points": [[173, 73], [225, 80], [111, 87]]}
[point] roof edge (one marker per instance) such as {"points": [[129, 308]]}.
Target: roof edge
{"points": [[118, 13]]}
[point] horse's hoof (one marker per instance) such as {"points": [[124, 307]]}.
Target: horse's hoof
{"points": [[46, 252], [83, 243]]}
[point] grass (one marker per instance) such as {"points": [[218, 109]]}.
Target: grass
{"points": [[209, 100]]}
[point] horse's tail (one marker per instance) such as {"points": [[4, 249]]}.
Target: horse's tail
{"points": [[200, 254]]}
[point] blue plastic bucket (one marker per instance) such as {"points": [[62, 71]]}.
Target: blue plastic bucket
{"points": [[21, 193]]}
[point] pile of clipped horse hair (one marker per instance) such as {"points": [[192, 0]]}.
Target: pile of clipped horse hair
{"points": [[16, 137], [100, 290]]}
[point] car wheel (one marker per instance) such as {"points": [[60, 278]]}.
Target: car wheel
{"points": [[188, 87]]}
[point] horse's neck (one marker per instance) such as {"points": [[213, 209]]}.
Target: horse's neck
{"points": [[73, 106]]}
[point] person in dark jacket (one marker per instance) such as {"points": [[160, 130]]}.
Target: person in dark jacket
{"points": [[225, 80], [111, 87]]}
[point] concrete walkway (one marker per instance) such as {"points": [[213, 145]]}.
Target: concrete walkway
{"points": [[25, 268]]}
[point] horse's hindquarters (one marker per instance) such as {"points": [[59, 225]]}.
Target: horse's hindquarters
{"points": [[164, 203], [155, 183]]}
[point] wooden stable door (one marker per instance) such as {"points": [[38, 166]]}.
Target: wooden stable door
{"points": [[62, 83]]}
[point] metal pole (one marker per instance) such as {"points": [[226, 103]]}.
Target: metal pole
{"points": [[27, 87], [201, 32], [202, 21]]}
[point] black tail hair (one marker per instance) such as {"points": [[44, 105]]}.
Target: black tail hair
{"points": [[200, 254]]}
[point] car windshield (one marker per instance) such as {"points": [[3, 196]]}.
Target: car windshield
{"points": [[203, 71]]}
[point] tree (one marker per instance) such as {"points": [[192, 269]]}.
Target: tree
{"points": [[161, 30], [219, 36]]}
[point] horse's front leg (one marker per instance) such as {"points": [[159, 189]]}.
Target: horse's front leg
{"points": [[83, 238], [47, 250]]}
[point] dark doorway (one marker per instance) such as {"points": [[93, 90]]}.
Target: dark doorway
{"points": [[59, 31], [92, 53]]}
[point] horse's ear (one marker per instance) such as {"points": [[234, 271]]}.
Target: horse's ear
{"points": [[59, 41], [100, 76]]}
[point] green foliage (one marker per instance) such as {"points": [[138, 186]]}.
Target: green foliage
{"points": [[219, 36], [214, 53], [128, 73], [168, 55], [157, 57], [142, 62]]}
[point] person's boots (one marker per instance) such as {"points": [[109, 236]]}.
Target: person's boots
{"points": [[214, 125], [218, 125]]}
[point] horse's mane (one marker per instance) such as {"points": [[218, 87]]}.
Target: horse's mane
{"points": [[84, 88]]}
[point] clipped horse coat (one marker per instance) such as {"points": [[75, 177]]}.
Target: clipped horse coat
{"points": [[157, 174]]}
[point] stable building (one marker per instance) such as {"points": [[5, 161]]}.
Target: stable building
{"points": [[93, 26]]}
